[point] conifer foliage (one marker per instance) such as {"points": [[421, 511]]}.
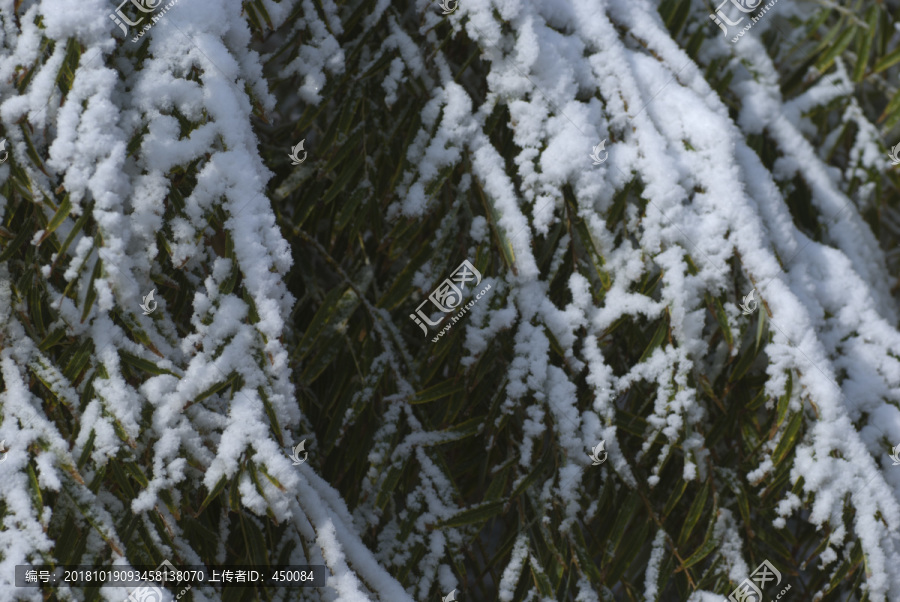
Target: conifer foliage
{"points": [[679, 355]]}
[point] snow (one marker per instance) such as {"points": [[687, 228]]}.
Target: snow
{"points": [[569, 78], [511, 574]]}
